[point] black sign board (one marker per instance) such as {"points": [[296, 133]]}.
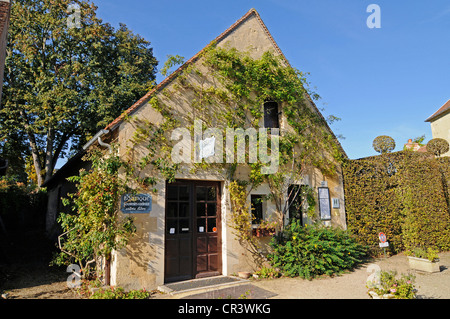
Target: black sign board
{"points": [[136, 203]]}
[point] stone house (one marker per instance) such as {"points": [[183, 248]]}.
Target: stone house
{"points": [[186, 233], [440, 123]]}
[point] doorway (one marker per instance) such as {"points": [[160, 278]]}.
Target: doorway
{"points": [[193, 228]]}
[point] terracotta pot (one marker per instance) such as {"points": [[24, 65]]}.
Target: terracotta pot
{"points": [[244, 274]]}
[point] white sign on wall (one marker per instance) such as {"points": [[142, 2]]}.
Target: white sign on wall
{"points": [[207, 147]]}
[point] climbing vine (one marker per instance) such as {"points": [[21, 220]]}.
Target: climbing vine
{"points": [[227, 88], [93, 229]]}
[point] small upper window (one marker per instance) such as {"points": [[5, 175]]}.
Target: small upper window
{"points": [[271, 115]]}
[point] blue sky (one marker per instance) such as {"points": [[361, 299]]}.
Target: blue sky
{"points": [[384, 81]]}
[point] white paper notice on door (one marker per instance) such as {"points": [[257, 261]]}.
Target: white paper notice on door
{"points": [[201, 229], [172, 231]]}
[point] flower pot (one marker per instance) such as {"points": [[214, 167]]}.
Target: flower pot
{"points": [[263, 232], [374, 295], [244, 274], [423, 264]]}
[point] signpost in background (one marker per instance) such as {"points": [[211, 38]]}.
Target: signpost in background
{"points": [[383, 242]]}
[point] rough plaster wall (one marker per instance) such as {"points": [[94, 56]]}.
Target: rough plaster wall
{"points": [[441, 128], [141, 264]]}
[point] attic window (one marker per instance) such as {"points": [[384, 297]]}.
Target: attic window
{"points": [[271, 114]]}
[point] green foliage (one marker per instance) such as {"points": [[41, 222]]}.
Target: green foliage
{"points": [[94, 229], [102, 292], [21, 205], [383, 144], [227, 89], [268, 273], [419, 140], [438, 146], [241, 220], [387, 282], [313, 251], [120, 293], [403, 194], [430, 253], [170, 63], [64, 83]]}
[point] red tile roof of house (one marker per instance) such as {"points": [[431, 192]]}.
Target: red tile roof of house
{"points": [[114, 124], [443, 110]]}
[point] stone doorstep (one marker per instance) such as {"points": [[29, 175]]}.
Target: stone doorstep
{"points": [[203, 285]]}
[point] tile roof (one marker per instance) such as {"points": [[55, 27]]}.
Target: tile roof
{"points": [[168, 79], [252, 12], [444, 109]]}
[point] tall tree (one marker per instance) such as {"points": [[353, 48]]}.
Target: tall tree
{"points": [[68, 74]]}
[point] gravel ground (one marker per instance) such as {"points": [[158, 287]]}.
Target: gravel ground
{"points": [[352, 285], [25, 272], [28, 276]]}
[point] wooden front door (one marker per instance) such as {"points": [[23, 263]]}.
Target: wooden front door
{"points": [[193, 241]]}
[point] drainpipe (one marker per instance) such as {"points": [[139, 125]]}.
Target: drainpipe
{"points": [[96, 138], [101, 143]]}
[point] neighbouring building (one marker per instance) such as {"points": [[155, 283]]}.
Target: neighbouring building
{"points": [[415, 147], [186, 232], [440, 123]]}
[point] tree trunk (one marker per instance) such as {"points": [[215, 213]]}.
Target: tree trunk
{"points": [[49, 154], [34, 149], [108, 270], [36, 162]]}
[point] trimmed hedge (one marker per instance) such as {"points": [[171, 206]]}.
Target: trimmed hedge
{"points": [[403, 194]]}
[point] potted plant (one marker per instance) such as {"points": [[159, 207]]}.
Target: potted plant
{"points": [[388, 286], [424, 260], [265, 229]]}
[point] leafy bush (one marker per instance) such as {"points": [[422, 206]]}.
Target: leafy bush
{"points": [[383, 144], [438, 146], [387, 283], [430, 253], [21, 205], [312, 251], [94, 229], [267, 273], [120, 293]]}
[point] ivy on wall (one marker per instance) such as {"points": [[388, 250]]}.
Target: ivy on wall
{"points": [[403, 194], [227, 89]]}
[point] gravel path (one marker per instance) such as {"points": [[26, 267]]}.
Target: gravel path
{"points": [[352, 285], [28, 276]]}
